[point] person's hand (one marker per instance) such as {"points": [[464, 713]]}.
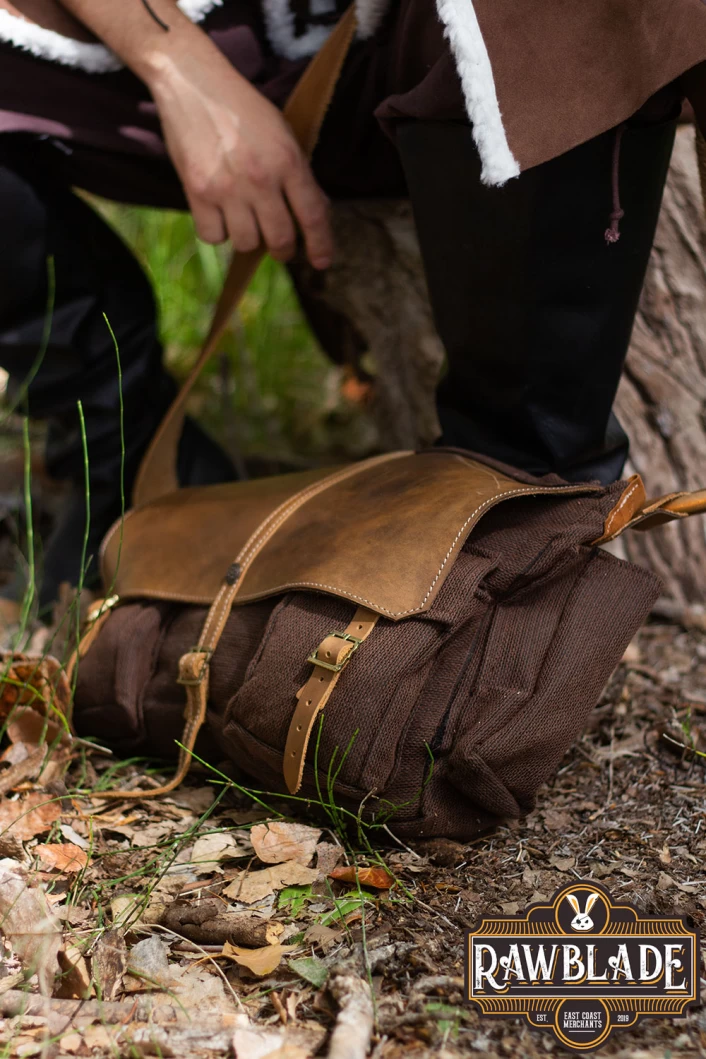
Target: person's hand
{"points": [[243, 173]]}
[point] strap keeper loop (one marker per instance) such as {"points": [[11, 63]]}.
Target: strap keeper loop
{"points": [[187, 677]]}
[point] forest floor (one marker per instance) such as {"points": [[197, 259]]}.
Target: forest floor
{"points": [[206, 924]]}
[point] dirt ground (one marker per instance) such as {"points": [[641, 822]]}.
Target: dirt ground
{"points": [[156, 889]]}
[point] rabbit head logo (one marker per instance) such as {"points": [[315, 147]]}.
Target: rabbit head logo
{"points": [[582, 920]]}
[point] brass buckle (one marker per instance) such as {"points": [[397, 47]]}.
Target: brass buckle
{"points": [[336, 667], [207, 652]]}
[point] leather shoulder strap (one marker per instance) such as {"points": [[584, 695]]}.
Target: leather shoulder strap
{"points": [[305, 112], [635, 511]]}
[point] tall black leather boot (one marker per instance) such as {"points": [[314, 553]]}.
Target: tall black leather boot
{"points": [[535, 309]]}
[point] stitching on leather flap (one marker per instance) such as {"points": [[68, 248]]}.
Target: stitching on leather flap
{"points": [[490, 502], [269, 526]]}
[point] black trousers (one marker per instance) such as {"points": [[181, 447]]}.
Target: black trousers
{"points": [[47, 228], [534, 310]]}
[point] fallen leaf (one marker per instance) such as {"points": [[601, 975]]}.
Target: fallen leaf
{"points": [[126, 908], [71, 835], [443, 851], [293, 898], [258, 961], [148, 960], [346, 907], [254, 1043], [27, 768], [37, 682], [28, 925], [100, 1039], [555, 820], [664, 881], [71, 1043], [28, 816], [325, 937], [311, 969], [254, 886], [210, 850], [198, 799], [62, 856], [109, 963], [15, 753], [563, 863], [75, 982], [378, 878], [328, 855], [447, 888], [278, 841], [531, 877], [510, 908], [197, 988], [689, 887], [152, 834], [12, 848]]}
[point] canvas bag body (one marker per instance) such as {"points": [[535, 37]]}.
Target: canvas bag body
{"points": [[445, 721]]}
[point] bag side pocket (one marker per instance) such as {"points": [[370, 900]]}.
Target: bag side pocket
{"points": [[525, 715]]}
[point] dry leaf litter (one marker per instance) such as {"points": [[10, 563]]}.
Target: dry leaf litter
{"points": [[206, 924]]}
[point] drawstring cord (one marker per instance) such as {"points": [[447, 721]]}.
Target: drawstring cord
{"points": [[612, 234]]}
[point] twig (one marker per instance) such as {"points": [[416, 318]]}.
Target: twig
{"points": [[206, 923], [354, 1025], [429, 983], [111, 1012], [439, 915], [401, 843], [10, 981]]}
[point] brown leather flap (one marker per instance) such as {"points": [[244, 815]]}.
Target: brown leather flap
{"points": [[382, 533]]}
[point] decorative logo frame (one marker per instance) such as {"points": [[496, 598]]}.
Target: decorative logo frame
{"points": [[583, 966]]}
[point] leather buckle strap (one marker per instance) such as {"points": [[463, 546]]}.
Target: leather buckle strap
{"points": [[336, 667], [329, 660]]}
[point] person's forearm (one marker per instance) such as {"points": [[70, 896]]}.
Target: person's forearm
{"points": [[129, 30], [243, 173]]}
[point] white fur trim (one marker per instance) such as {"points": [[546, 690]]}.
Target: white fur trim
{"points": [[92, 58], [197, 9], [473, 63], [46, 44], [370, 14], [279, 23]]}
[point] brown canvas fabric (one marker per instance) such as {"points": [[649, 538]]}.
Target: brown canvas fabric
{"points": [[444, 721]]}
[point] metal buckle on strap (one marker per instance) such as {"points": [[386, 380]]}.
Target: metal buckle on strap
{"points": [[336, 667], [207, 653]]}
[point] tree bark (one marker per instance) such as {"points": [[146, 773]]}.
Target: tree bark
{"points": [[662, 396], [371, 308]]}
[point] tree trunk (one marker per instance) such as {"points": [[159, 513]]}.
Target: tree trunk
{"points": [[372, 309], [662, 396]]}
